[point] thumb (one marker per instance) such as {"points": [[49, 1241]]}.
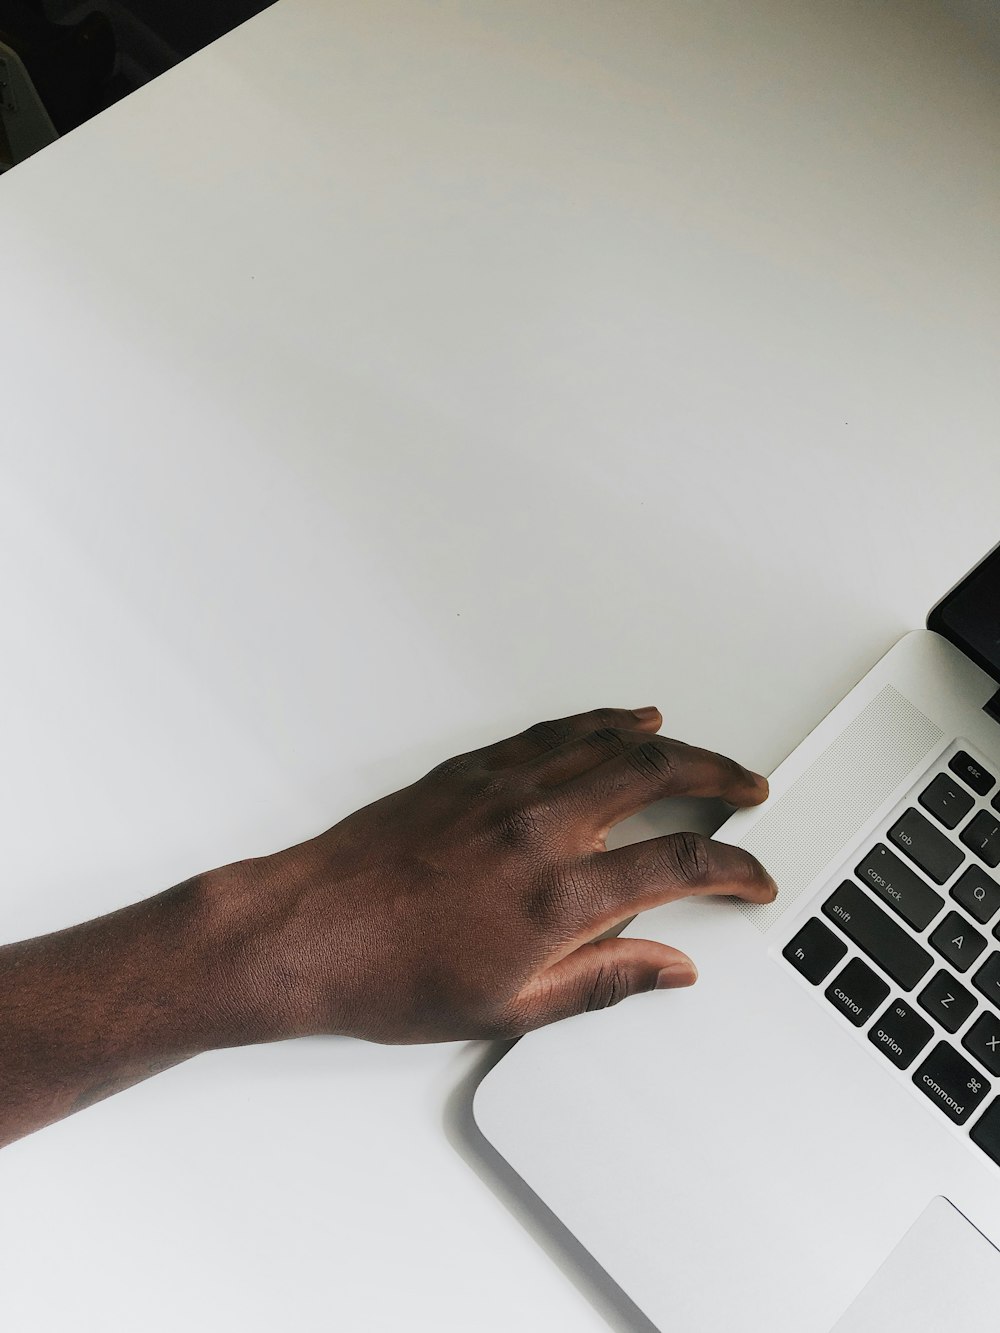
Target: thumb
{"points": [[598, 975]]}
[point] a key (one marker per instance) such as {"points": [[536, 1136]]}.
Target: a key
{"points": [[902, 888], [900, 1034], [982, 834], [972, 772], [857, 992], [987, 979], [957, 941], [876, 934], [978, 894], [946, 800], [983, 1040], [947, 1001], [917, 838], [986, 1131], [814, 951], [950, 1081]]}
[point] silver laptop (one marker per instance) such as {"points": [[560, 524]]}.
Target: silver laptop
{"points": [[809, 1138]]}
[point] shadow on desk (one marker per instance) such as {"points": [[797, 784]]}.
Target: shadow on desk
{"points": [[604, 1294]]}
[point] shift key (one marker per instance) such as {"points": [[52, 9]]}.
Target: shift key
{"points": [[874, 931], [902, 888]]}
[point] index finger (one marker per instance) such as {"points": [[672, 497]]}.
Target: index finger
{"points": [[678, 865], [650, 769], [606, 887]]}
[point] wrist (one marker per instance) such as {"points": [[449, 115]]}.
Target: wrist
{"points": [[222, 985], [175, 954], [241, 916]]}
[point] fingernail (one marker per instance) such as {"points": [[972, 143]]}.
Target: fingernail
{"points": [[677, 974], [645, 714]]}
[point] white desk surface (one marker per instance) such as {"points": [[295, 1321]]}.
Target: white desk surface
{"points": [[391, 375]]}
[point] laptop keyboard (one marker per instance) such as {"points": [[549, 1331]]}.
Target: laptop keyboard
{"points": [[906, 942]]}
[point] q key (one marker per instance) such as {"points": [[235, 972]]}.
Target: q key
{"points": [[978, 893]]}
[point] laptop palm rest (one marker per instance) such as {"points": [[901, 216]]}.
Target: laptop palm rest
{"points": [[943, 1274]]}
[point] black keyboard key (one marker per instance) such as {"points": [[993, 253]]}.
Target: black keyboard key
{"points": [[947, 1001], [978, 894], [982, 834], [948, 1079], [986, 1131], [987, 979], [902, 888], [917, 838], [814, 951], [947, 800], [857, 992], [900, 1034], [972, 772], [957, 941], [983, 1040], [872, 930]]}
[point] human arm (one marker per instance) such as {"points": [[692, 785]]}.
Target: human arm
{"points": [[466, 905]]}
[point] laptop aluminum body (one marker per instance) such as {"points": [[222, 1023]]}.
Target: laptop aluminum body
{"points": [[778, 1150]]}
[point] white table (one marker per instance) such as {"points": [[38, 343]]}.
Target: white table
{"points": [[385, 378]]}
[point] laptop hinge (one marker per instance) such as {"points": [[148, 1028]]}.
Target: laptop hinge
{"points": [[993, 707]]}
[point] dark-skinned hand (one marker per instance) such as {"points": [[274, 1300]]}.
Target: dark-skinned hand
{"points": [[469, 904]]}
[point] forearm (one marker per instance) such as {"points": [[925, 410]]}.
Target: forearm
{"points": [[96, 1008]]}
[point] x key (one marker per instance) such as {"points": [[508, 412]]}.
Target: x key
{"points": [[983, 1040]]}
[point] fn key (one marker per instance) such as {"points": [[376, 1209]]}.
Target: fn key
{"points": [[815, 951]]}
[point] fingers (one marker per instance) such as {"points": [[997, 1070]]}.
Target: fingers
{"points": [[580, 754], [598, 975], [661, 870], [544, 736], [643, 770]]}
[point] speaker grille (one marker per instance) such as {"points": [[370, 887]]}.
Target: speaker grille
{"points": [[837, 794]]}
